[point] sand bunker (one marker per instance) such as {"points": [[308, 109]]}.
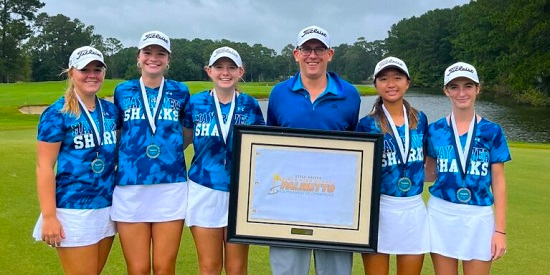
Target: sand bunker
{"points": [[33, 110], [38, 109]]}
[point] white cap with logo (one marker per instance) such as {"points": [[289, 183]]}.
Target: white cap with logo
{"points": [[225, 52], [391, 62], [83, 56], [460, 69], [313, 32], [154, 38]]}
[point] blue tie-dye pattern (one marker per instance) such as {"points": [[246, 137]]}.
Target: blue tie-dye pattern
{"points": [[134, 166], [490, 147], [391, 170], [77, 186], [207, 167]]}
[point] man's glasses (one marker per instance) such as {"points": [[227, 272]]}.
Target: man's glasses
{"points": [[308, 50]]}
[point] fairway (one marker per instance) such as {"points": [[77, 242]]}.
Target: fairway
{"points": [[527, 182]]}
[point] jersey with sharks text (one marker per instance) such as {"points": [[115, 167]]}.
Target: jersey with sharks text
{"points": [[135, 167], [211, 163], [77, 186], [489, 147]]}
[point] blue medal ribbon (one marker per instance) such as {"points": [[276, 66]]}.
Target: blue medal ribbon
{"points": [[152, 117], [224, 127], [97, 164], [464, 154], [404, 145]]}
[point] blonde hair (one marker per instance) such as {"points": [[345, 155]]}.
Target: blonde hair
{"points": [[378, 114], [71, 102]]}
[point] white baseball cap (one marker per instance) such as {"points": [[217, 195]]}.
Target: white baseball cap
{"points": [[84, 55], [313, 32], [154, 38], [225, 52], [391, 62], [460, 69]]}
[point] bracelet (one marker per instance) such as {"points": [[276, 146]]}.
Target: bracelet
{"points": [[503, 233]]}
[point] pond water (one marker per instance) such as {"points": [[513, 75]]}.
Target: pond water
{"points": [[525, 124]]}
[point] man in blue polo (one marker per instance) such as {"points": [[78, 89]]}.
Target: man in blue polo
{"points": [[313, 99]]}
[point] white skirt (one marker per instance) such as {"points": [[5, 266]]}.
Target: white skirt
{"points": [[461, 231], [207, 207], [403, 226], [149, 203], [82, 227]]}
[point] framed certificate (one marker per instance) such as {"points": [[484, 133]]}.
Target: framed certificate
{"points": [[305, 188]]}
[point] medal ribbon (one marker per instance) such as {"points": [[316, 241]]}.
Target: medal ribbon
{"points": [[156, 109], [465, 153], [98, 131], [404, 145], [224, 126]]}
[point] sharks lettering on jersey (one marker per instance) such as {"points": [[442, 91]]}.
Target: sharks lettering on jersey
{"points": [[83, 134], [212, 160], [141, 131], [85, 171], [390, 155], [447, 163], [205, 125], [133, 109]]}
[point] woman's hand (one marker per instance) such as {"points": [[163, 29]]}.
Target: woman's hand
{"points": [[52, 231], [498, 245]]}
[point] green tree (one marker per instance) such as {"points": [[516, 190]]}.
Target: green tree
{"points": [[482, 39], [361, 59], [528, 62], [55, 39], [189, 57], [109, 47], [287, 64], [338, 63], [424, 43], [15, 27], [507, 41], [123, 64]]}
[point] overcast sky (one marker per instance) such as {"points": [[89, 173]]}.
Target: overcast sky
{"points": [[272, 23]]}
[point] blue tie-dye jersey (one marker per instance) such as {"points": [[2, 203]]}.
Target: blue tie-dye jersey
{"points": [[211, 163], [134, 166], [489, 146], [77, 186], [337, 108], [392, 169]]}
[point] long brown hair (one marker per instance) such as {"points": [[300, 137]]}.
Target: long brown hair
{"points": [[378, 114]]}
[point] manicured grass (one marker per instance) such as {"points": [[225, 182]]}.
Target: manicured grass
{"points": [[526, 174], [15, 95], [527, 217]]}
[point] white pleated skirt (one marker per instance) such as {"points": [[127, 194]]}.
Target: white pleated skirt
{"points": [[149, 203], [461, 231], [82, 227], [207, 207], [403, 226]]}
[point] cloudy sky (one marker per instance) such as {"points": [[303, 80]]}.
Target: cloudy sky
{"points": [[272, 23]]}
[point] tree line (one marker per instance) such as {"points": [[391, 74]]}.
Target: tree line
{"points": [[507, 40]]}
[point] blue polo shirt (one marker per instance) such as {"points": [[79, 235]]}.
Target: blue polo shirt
{"points": [[337, 108]]}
